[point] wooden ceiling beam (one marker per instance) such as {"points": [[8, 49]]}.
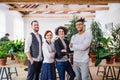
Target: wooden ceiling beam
{"points": [[89, 16], [61, 9], [60, 1]]}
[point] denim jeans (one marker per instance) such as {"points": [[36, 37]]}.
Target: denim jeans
{"points": [[65, 66]]}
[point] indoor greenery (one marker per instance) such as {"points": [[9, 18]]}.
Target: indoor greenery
{"points": [[71, 28], [97, 34], [22, 56], [103, 50], [100, 44], [4, 48], [116, 39], [16, 46]]}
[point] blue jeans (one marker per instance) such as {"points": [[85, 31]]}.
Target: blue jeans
{"points": [[65, 66]]}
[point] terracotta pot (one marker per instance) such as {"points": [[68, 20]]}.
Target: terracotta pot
{"points": [[111, 60], [71, 58], [17, 60], [24, 62], [3, 61], [93, 57], [117, 58], [11, 57]]}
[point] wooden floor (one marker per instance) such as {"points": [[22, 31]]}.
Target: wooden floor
{"points": [[22, 74]]}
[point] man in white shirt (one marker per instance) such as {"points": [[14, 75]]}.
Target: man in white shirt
{"points": [[33, 50], [80, 43]]}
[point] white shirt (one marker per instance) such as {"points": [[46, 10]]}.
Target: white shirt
{"points": [[28, 43], [81, 42], [48, 52]]}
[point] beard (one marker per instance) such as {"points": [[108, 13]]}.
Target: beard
{"points": [[80, 30], [36, 30]]}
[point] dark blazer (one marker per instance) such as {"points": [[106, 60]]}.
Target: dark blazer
{"points": [[59, 46]]}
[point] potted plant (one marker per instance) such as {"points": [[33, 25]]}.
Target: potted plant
{"points": [[97, 34], [4, 48], [16, 47], [22, 58], [100, 47], [104, 51], [116, 42]]}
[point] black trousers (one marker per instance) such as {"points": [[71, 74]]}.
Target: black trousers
{"points": [[34, 70]]}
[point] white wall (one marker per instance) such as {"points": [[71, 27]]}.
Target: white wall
{"points": [[2, 23], [12, 23], [110, 16]]}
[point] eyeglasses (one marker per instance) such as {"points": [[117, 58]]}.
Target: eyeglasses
{"points": [[79, 24]]}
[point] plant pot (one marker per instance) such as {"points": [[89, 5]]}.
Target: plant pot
{"points": [[112, 58], [117, 58], [71, 58], [11, 56], [16, 60], [93, 56], [24, 62], [3, 61]]}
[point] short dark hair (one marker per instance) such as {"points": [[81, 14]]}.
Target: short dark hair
{"points": [[7, 34], [80, 20], [63, 28], [33, 21]]}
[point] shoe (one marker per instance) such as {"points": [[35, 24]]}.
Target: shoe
{"points": [[26, 69]]}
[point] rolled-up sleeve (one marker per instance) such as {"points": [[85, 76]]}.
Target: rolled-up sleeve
{"points": [[28, 43]]}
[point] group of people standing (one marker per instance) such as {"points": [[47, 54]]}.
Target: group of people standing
{"points": [[45, 57]]}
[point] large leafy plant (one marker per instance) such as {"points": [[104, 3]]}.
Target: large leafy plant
{"points": [[103, 50]]}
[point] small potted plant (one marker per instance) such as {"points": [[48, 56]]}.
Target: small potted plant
{"points": [[3, 52], [16, 47], [22, 58]]}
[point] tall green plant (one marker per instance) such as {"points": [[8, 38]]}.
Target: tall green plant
{"points": [[116, 39], [97, 34], [71, 28], [100, 44]]}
